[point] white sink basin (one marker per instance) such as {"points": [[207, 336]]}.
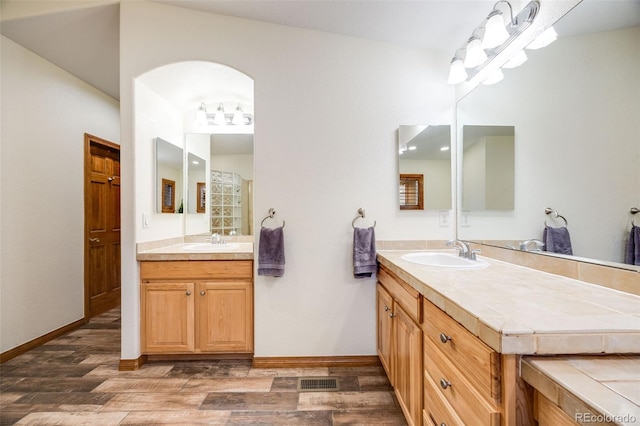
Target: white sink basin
{"points": [[444, 260], [208, 247]]}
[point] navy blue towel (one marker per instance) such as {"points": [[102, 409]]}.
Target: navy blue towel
{"points": [[271, 252], [633, 247], [557, 240], [364, 252]]}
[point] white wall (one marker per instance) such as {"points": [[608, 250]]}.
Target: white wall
{"points": [[45, 114], [327, 108]]}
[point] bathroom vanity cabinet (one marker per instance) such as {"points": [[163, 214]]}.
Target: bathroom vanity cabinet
{"points": [[196, 307], [399, 341]]}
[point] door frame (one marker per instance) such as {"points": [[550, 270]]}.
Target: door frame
{"points": [[88, 140]]}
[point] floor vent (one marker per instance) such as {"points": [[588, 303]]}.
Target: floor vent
{"points": [[318, 384]]}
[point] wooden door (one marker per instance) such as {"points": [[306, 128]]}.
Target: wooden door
{"points": [[407, 337], [224, 316], [102, 226], [167, 317], [384, 303]]}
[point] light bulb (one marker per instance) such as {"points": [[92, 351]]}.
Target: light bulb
{"points": [[457, 73], [495, 32], [475, 53], [238, 116], [201, 115], [218, 118]]}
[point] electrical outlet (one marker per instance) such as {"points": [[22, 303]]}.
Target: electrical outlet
{"points": [[444, 218], [465, 220]]}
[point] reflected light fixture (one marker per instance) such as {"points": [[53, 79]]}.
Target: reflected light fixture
{"points": [[201, 115], [218, 118], [444, 148], [544, 39], [517, 60], [494, 77], [238, 117]]}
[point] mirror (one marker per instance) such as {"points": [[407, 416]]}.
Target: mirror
{"points": [[169, 177], [196, 184], [228, 177], [575, 105], [424, 164], [488, 168]]}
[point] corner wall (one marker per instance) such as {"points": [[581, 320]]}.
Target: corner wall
{"points": [[45, 114]]}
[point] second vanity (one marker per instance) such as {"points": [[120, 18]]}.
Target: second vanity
{"points": [[489, 346], [197, 299]]}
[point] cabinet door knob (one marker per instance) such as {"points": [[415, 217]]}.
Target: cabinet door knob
{"points": [[444, 338], [386, 308], [202, 293], [444, 383], [391, 314], [188, 293]]}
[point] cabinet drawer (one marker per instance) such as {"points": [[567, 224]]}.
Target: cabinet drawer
{"points": [[197, 270], [451, 384], [403, 293], [480, 363], [436, 408]]}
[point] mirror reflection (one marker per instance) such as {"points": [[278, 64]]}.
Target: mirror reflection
{"points": [[169, 177], [578, 145], [196, 184], [229, 184], [488, 168], [424, 163]]}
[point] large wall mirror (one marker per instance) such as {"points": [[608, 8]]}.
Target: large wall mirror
{"points": [[169, 177], [424, 164], [574, 107]]}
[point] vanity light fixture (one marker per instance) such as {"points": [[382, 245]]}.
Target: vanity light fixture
{"points": [[413, 148], [496, 36], [218, 118], [544, 39], [457, 73], [475, 53], [495, 32], [444, 148], [494, 77]]}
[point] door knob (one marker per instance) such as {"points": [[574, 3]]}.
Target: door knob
{"points": [[188, 293], [110, 178], [202, 293], [94, 240]]}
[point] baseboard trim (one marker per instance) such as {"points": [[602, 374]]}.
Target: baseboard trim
{"points": [[316, 361], [132, 364], [38, 341]]}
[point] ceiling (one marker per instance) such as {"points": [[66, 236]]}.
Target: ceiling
{"points": [[81, 36]]}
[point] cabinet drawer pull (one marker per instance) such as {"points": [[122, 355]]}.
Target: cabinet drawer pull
{"points": [[444, 384], [188, 293], [444, 338], [202, 293]]}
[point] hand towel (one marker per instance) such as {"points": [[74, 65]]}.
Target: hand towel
{"points": [[364, 252], [557, 240], [633, 247], [271, 252]]}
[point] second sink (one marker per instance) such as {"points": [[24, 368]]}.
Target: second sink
{"points": [[444, 260]]}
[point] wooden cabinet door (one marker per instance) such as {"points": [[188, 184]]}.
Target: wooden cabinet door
{"points": [[408, 365], [384, 305], [167, 317], [224, 316]]}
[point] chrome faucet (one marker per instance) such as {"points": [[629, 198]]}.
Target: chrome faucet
{"points": [[462, 246], [215, 238], [524, 246]]}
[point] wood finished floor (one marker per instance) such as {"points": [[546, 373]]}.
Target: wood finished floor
{"points": [[74, 380]]}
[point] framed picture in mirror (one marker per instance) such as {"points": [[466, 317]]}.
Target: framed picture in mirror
{"points": [[168, 196], [202, 197]]}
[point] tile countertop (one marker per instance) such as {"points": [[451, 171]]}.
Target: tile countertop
{"points": [[518, 310], [234, 251], [590, 389]]}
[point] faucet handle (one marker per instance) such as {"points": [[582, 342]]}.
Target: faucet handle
{"points": [[473, 253]]}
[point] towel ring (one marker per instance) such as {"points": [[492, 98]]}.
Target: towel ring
{"points": [[634, 210], [272, 213], [549, 210], [360, 216]]}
